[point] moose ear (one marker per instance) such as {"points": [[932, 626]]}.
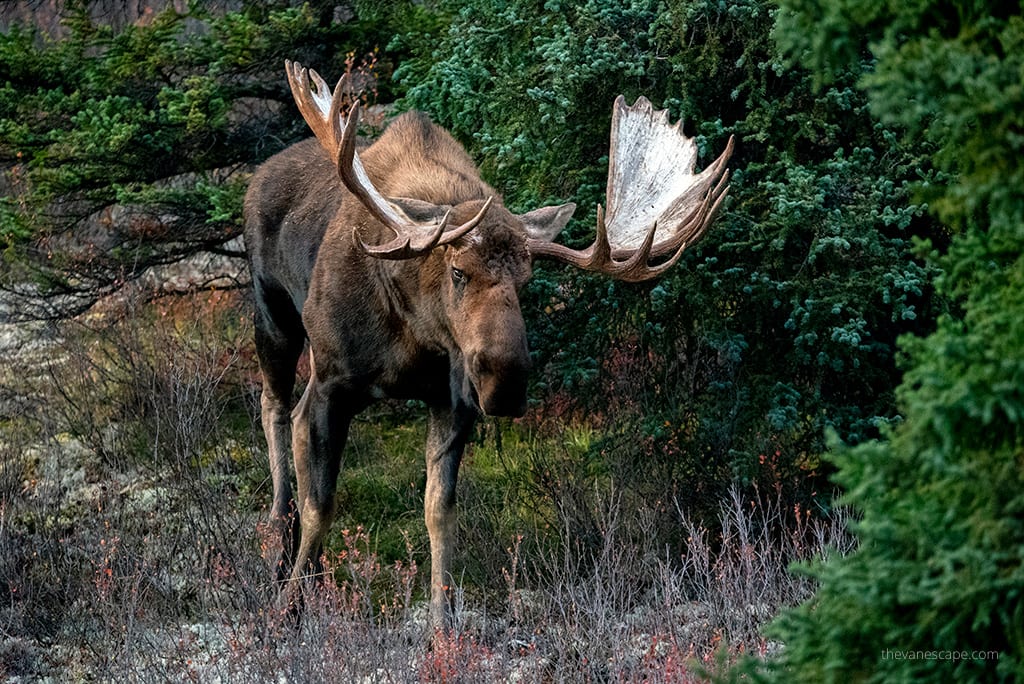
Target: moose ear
{"points": [[420, 211], [547, 222]]}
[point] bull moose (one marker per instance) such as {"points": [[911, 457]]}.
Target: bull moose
{"points": [[402, 268]]}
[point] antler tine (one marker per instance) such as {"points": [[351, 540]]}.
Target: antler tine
{"points": [[692, 228], [454, 234], [602, 249], [598, 256], [635, 268], [321, 109], [632, 265], [402, 247], [652, 188]]}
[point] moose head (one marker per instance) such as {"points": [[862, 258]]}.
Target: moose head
{"points": [[402, 268]]}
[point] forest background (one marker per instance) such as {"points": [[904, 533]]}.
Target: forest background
{"points": [[852, 320]]}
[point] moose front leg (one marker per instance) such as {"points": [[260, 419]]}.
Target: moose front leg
{"points": [[447, 432]]}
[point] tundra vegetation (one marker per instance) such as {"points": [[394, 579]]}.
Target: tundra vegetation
{"points": [[861, 285]]}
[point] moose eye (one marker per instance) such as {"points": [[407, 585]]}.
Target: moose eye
{"points": [[458, 276]]}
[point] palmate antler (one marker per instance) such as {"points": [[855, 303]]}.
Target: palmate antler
{"points": [[657, 206], [322, 111]]}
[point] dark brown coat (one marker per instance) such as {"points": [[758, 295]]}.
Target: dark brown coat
{"points": [[402, 270]]}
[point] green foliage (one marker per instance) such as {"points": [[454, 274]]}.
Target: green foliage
{"points": [[382, 484], [162, 114], [783, 322], [936, 590]]}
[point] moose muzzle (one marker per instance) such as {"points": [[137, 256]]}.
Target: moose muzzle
{"points": [[500, 382]]}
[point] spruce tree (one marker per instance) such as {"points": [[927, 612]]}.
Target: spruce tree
{"points": [[934, 591]]}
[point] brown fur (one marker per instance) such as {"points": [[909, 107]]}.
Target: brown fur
{"points": [[445, 328]]}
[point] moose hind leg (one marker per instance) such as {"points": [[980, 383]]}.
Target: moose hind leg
{"points": [[278, 353]]}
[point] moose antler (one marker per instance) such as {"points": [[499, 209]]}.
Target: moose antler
{"points": [[322, 111], [657, 206]]}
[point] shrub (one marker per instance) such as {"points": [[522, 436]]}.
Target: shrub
{"points": [[782, 323]]}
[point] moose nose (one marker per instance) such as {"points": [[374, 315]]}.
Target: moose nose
{"points": [[500, 383]]}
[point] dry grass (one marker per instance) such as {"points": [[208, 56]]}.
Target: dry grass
{"points": [[133, 546]]}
